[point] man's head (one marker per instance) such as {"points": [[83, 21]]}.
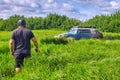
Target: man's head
{"points": [[21, 23]]}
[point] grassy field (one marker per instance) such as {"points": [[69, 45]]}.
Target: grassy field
{"points": [[85, 59]]}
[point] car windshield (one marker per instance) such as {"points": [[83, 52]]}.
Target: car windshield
{"points": [[72, 30]]}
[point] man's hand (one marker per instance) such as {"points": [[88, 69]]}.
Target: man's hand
{"points": [[11, 46], [35, 43], [36, 49], [12, 53]]}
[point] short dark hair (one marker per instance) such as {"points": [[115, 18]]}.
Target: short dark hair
{"points": [[21, 22]]}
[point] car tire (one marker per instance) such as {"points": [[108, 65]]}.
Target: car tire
{"points": [[70, 39]]}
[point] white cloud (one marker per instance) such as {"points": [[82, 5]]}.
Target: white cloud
{"points": [[7, 1], [23, 2], [67, 6], [115, 5], [17, 9], [101, 6], [79, 9], [50, 1], [34, 5], [52, 6]]}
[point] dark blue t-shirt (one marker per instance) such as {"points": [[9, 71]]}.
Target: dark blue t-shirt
{"points": [[22, 38]]}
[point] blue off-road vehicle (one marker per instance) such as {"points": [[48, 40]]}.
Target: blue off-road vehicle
{"points": [[78, 32]]}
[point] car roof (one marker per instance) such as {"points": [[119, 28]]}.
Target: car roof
{"points": [[84, 28]]}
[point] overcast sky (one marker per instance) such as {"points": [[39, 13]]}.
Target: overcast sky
{"points": [[79, 9]]}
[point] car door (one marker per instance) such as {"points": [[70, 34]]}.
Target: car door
{"points": [[84, 33]]}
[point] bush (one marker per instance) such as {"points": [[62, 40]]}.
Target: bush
{"points": [[54, 41]]}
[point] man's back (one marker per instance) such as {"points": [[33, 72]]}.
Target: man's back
{"points": [[22, 38], [20, 44]]}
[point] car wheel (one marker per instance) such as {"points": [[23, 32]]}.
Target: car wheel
{"points": [[70, 39]]}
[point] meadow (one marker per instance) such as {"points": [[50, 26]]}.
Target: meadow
{"points": [[58, 59]]}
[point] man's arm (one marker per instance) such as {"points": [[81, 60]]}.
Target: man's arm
{"points": [[11, 46], [35, 43]]}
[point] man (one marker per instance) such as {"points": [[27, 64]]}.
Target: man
{"points": [[20, 44]]}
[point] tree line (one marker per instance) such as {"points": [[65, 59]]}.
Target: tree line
{"points": [[49, 22], [106, 23]]}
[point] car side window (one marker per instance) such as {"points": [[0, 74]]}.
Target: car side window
{"points": [[96, 31], [78, 31], [84, 31]]}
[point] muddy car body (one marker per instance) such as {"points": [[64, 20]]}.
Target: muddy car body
{"points": [[82, 32]]}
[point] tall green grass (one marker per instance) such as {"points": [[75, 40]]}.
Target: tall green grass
{"points": [[85, 59]]}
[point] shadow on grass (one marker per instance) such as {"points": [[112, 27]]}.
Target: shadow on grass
{"points": [[54, 41], [110, 37]]}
